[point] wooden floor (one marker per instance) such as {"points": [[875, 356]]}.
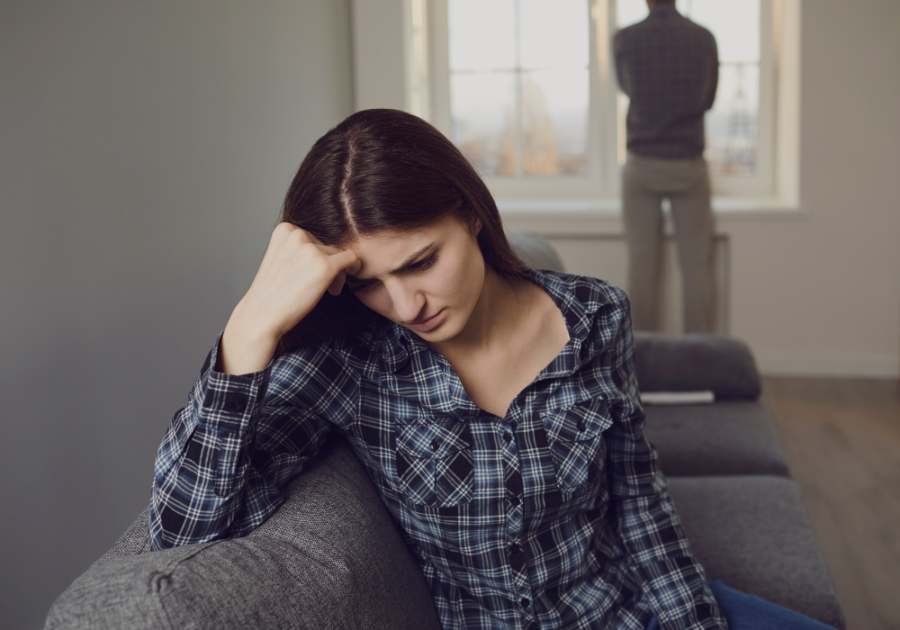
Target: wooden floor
{"points": [[842, 437]]}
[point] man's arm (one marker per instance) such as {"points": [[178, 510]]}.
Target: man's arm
{"points": [[621, 71], [713, 81]]}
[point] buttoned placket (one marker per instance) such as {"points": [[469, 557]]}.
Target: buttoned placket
{"points": [[515, 511], [521, 593]]}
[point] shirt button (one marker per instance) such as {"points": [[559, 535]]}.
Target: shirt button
{"points": [[434, 445], [507, 437], [514, 500], [581, 426], [526, 602]]}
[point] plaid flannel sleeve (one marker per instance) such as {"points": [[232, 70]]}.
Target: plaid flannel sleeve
{"points": [[644, 512], [226, 455]]}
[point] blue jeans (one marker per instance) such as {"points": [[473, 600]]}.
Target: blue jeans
{"points": [[749, 612]]}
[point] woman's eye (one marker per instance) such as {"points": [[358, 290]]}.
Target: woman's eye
{"points": [[361, 287], [425, 263]]}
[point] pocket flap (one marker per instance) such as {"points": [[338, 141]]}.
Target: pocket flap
{"points": [[582, 421], [433, 441]]}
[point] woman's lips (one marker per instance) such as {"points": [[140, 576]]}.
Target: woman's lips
{"points": [[426, 325]]}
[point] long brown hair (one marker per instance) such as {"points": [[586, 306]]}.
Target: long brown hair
{"points": [[384, 169]]}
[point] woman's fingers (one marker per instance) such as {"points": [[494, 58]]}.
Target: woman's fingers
{"points": [[296, 270], [347, 262]]}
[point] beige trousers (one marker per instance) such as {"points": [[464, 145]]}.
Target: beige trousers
{"points": [[646, 182]]}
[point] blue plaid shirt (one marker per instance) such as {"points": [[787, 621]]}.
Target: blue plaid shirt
{"points": [[555, 516]]}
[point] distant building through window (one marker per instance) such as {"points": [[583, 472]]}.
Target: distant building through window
{"points": [[519, 84]]}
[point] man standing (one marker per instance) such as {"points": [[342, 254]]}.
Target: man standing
{"points": [[669, 68]]}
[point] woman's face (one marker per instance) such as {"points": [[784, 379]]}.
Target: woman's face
{"points": [[428, 280]]}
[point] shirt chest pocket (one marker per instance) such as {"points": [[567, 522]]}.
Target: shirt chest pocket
{"points": [[434, 463], [575, 436]]}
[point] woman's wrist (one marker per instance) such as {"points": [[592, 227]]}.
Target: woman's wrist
{"points": [[247, 345]]}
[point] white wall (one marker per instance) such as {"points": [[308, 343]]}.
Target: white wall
{"points": [[821, 294], [815, 291], [145, 148]]}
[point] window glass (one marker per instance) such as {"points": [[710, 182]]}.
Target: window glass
{"points": [[519, 85], [553, 34], [731, 125], [483, 105], [482, 34], [554, 121]]}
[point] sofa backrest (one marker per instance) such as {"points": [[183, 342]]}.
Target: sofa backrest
{"points": [[695, 362]]}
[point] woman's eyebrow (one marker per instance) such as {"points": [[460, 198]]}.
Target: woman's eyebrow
{"points": [[410, 260]]}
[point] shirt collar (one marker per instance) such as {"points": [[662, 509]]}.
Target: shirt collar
{"points": [[664, 9], [399, 345]]}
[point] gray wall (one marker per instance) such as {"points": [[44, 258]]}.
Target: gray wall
{"points": [[144, 151]]}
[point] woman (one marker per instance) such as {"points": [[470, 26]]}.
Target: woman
{"points": [[494, 406]]}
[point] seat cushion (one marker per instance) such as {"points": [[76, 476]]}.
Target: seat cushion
{"points": [[695, 362], [753, 533], [726, 438], [330, 557]]}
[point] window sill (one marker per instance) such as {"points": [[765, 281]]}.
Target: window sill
{"points": [[598, 217]]}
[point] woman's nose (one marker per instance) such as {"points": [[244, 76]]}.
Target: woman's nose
{"points": [[408, 302]]}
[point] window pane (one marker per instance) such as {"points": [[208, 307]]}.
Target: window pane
{"points": [[554, 34], [519, 85], [481, 34], [554, 122], [483, 118], [735, 24], [630, 11], [731, 138]]}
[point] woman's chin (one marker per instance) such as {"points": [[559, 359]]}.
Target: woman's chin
{"points": [[446, 328]]}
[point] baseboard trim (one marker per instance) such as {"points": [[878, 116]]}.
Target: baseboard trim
{"points": [[863, 365]]}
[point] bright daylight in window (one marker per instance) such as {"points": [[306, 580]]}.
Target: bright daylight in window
{"points": [[519, 85], [526, 95]]}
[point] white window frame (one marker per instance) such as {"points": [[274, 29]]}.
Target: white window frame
{"points": [[603, 173], [395, 44]]}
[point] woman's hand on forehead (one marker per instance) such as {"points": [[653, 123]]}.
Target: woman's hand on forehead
{"points": [[329, 250], [295, 272]]}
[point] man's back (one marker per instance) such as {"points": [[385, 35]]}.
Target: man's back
{"points": [[668, 66]]}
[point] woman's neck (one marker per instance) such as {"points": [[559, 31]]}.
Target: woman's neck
{"points": [[515, 331], [501, 305]]}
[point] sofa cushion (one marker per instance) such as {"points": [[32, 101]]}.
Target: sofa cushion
{"points": [[695, 362], [734, 437], [753, 533], [330, 557]]}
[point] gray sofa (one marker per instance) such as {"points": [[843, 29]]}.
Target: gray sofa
{"points": [[332, 557]]}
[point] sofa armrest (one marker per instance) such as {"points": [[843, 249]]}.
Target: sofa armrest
{"points": [[331, 557], [695, 362]]}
